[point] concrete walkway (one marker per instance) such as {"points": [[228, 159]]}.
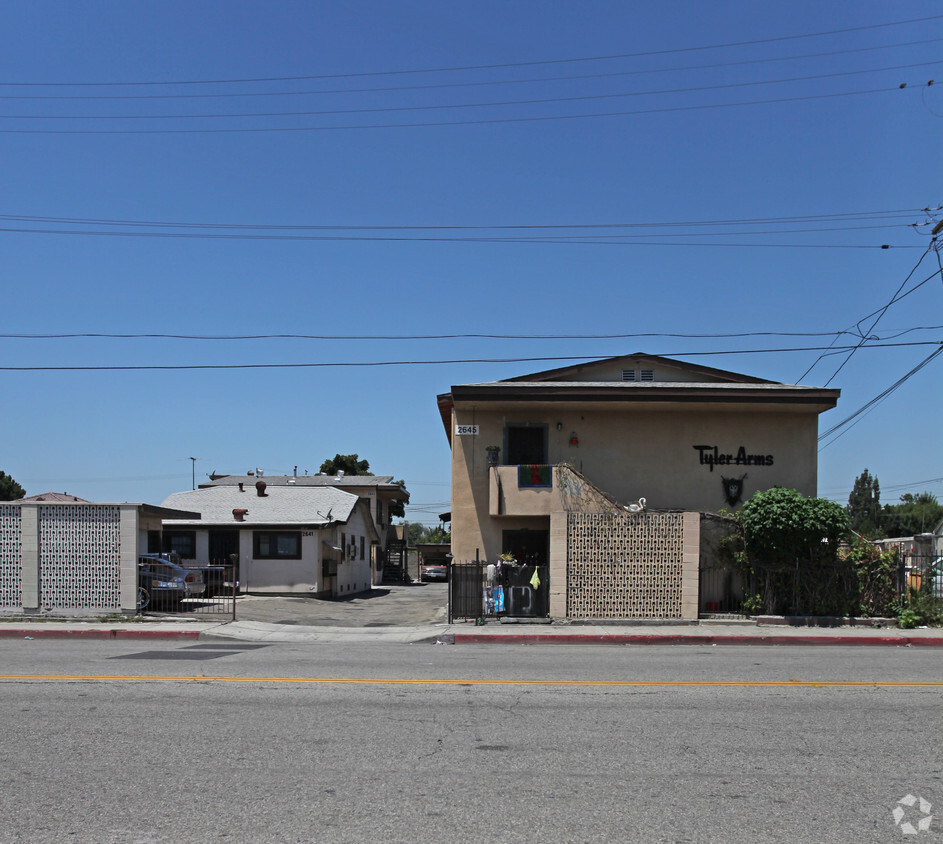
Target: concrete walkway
{"points": [[417, 613], [703, 633]]}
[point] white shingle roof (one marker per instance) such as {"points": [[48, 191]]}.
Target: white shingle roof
{"points": [[301, 505]]}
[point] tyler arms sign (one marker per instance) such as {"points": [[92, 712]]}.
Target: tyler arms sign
{"points": [[711, 456]]}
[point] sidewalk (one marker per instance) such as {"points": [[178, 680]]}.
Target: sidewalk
{"points": [[702, 633]]}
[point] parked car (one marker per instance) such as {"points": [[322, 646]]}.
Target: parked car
{"points": [[434, 571], [161, 582]]}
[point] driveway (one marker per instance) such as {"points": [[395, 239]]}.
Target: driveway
{"points": [[401, 605]]}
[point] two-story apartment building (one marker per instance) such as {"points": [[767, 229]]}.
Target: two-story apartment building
{"points": [[636, 432]]}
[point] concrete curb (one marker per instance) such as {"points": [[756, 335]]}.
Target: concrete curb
{"points": [[114, 633], [669, 639]]}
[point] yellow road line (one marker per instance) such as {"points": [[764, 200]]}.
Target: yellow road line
{"points": [[367, 681]]}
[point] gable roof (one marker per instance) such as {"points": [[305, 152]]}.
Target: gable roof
{"points": [[52, 497], [284, 506], [577, 372], [669, 383]]}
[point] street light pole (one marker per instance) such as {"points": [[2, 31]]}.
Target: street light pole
{"points": [[193, 467]]}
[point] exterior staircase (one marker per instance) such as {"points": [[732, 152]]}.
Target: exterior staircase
{"points": [[394, 566]]}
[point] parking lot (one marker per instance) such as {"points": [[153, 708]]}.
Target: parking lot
{"points": [[399, 605]]}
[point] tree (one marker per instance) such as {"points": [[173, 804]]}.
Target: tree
{"points": [[792, 552], [418, 534], [864, 505], [915, 514], [398, 506], [349, 464], [781, 527], [10, 490]]}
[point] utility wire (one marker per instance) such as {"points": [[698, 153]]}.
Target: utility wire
{"points": [[492, 104], [850, 421], [857, 327], [877, 318], [467, 336], [385, 363], [447, 123], [478, 84], [428, 239], [852, 216], [677, 50]]}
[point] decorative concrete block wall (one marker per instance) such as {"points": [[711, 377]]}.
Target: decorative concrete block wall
{"points": [[11, 559], [632, 565], [68, 559], [79, 557]]}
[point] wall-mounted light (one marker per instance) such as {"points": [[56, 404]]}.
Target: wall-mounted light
{"points": [[574, 440], [559, 426]]}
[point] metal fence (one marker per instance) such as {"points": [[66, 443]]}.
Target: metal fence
{"points": [[478, 591], [722, 589], [211, 590], [921, 573]]}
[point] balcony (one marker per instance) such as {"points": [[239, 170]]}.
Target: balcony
{"points": [[523, 490]]}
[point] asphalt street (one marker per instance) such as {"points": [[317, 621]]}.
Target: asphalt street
{"points": [[153, 742]]}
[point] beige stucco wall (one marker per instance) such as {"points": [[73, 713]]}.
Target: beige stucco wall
{"points": [[304, 576], [642, 451]]}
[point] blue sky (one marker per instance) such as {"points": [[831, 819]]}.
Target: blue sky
{"points": [[413, 208]]}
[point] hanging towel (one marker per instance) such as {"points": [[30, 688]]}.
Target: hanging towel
{"points": [[535, 579]]}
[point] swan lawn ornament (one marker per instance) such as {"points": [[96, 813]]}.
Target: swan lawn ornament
{"points": [[636, 508]]}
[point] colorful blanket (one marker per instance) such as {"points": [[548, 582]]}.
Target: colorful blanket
{"points": [[534, 474]]}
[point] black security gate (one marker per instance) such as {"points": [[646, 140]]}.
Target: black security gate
{"points": [[510, 591]]}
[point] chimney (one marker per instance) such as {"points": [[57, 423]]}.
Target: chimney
{"points": [[260, 488], [241, 489]]}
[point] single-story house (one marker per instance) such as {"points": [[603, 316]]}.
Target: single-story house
{"points": [[285, 539], [379, 491]]}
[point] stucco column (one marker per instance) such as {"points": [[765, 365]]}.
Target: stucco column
{"points": [[558, 560], [29, 549], [128, 558], [690, 564]]}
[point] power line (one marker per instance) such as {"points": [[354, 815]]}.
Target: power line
{"points": [[443, 106], [877, 318], [850, 421], [385, 363], [476, 84], [468, 336], [849, 216], [677, 50], [857, 332], [451, 123]]}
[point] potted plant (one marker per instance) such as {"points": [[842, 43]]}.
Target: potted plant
{"points": [[492, 451]]}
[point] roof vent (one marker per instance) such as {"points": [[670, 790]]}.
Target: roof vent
{"points": [[340, 474], [260, 488], [628, 375], [648, 375], [239, 514]]}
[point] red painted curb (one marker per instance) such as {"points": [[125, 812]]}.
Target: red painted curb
{"points": [[46, 633], [669, 639]]}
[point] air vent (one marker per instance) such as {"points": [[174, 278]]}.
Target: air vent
{"points": [[628, 375], [647, 375]]}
